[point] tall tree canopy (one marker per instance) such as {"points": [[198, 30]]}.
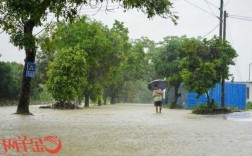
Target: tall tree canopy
{"points": [[10, 80], [205, 63], [102, 48], [67, 74], [19, 17], [167, 61], [198, 64]]}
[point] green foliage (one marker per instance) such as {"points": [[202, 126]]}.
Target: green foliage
{"points": [[132, 76], [204, 108], [199, 107], [18, 19], [137, 72], [133, 68], [167, 60], [221, 54], [233, 109], [249, 105], [205, 63], [104, 50], [167, 105], [134, 92], [66, 74], [41, 94], [213, 108], [168, 57], [10, 80], [13, 14]]}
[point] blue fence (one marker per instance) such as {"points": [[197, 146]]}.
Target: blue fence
{"points": [[235, 96]]}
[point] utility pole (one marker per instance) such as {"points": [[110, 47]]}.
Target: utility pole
{"points": [[249, 72], [224, 27], [223, 78], [221, 18], [220, 38]]}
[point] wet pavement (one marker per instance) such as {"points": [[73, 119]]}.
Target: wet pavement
{"points": [[124, 130]]}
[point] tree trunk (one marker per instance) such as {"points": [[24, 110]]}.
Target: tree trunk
{"points": [[25, 91], [223, 92], [113, 99], [86, 100], [208, 100], [125, 99], [176, 96], [104, 100], [99, 100], [104, 95]]}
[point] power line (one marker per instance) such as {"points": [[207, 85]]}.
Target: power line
{"points": [[211, 31], [229, 33], [96, 10], [200, 8], [209, 6], [212, 4], [45, 27], [245, 17], [244, 11], [239, 18], [227, 3]]}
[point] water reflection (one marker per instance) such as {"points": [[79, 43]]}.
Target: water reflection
{"points": [[240, 116]]}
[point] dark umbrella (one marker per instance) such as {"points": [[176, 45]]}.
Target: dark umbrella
{"points": [[161, 84]]}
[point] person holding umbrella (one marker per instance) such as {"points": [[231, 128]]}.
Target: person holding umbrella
{"points": [[157, 95]]}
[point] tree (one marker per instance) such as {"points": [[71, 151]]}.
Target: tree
{"points": [[10, 80], [4, 80], [133, 75], [121, 44], [67, 75], [18, 19], [198, 72], [204, 64], [133, 71], [167, 61], [223, 54], [103, 49]]}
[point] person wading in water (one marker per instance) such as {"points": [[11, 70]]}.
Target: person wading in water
{"points": [[157, 95]]}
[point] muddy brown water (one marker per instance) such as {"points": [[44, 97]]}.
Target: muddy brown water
{"points": [[128, 130]]}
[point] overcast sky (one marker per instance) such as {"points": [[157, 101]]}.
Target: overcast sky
{"points": [[196, 18]]}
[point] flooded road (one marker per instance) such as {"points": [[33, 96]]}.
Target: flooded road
{"points": [[128, 130]]}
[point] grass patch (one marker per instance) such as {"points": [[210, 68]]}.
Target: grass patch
{"points": [[168, 105], [249, 105], [212, 109]]}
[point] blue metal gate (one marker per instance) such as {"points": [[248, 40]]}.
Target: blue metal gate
{"points": [[235, 96]]}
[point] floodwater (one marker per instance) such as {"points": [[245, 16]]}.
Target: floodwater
{"points": [[240, 116], [126, 130]]}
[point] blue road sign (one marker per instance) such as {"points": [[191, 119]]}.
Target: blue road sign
{"points": [[30, 69]]}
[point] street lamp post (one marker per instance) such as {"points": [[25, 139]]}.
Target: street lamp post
{"points": [[249, 71]]}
